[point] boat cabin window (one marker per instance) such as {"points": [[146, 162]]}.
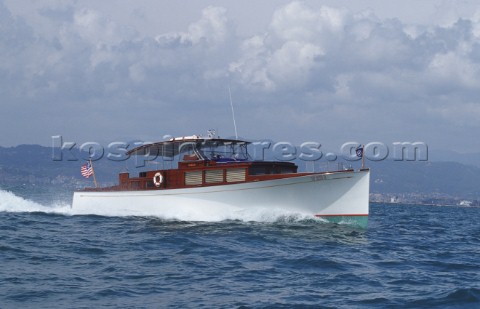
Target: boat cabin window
{"points": [[135, 184], [269, 169], [236, 174], [213, 176], [283, 170], [227, 152], [193, 178], [257, 170]]}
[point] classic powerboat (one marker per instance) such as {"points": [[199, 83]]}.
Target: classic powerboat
{"points": [[212, 174]]}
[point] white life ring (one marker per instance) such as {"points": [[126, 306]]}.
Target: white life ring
{"points": [[158, 179]]}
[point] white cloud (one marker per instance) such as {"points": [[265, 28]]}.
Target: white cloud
{"points": [[251, 65], [311, 69], [454, 69], [293, 63], [212, 29], [290, 52], [296, 21]]}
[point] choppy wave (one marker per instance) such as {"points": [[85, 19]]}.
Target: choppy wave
{"points": [[460, 298], [409, 257], [9, 202]]}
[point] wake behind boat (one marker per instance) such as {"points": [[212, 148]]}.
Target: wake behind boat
{"points": [[215, 174]]}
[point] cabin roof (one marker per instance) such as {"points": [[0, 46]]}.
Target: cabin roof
{"points": [[177, 145]]}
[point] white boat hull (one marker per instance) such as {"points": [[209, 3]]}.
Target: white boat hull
{"points": [[335, 196]]}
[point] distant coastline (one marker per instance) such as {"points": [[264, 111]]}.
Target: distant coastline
{"points": [[446, 204], [31, 168]]}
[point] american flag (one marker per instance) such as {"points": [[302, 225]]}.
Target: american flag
{"points": [[86, 170]]}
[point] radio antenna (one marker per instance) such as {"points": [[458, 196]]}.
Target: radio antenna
{"points": [[233, 112]]}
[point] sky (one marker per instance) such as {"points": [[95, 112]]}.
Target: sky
{"points": [[325, 71]]}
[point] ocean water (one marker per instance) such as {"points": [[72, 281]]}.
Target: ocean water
{"points": [[408, 257]]}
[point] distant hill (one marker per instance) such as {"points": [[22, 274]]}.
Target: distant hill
{"points": [[452, 156], [33, 164], [430, 178]]}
